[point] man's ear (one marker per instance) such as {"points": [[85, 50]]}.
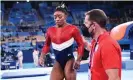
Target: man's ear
{"points": [[93, 25]]}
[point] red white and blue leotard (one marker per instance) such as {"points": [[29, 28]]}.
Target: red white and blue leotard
{"points": [[62, 42]]}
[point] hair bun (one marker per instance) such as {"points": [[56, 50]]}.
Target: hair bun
{"points": [[62, 8]]}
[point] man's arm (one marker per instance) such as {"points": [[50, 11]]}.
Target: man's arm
{"points": [[87, 45], [113, 74]]}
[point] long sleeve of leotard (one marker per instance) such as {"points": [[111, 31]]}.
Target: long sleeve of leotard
{"points": [[78, 39], [46, 46]]}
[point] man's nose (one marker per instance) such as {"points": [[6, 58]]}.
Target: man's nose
{"points": [[57, 19]]}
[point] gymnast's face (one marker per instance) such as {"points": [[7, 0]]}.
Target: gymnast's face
{"points": [[60, 18]]}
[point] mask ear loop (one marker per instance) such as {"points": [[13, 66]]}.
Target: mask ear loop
{"points": [[90, 25]]}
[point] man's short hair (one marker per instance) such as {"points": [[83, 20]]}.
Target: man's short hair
{"points": [[98, 16]]}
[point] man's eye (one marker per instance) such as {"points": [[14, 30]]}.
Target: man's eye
{"points": [[55, 17], [60, 16]]}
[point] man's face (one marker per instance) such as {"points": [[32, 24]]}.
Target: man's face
{"points": [[88, 24], [59, 18]]}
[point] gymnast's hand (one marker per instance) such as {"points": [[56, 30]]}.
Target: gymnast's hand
{"points": [[41, 61], [77, 64]]}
